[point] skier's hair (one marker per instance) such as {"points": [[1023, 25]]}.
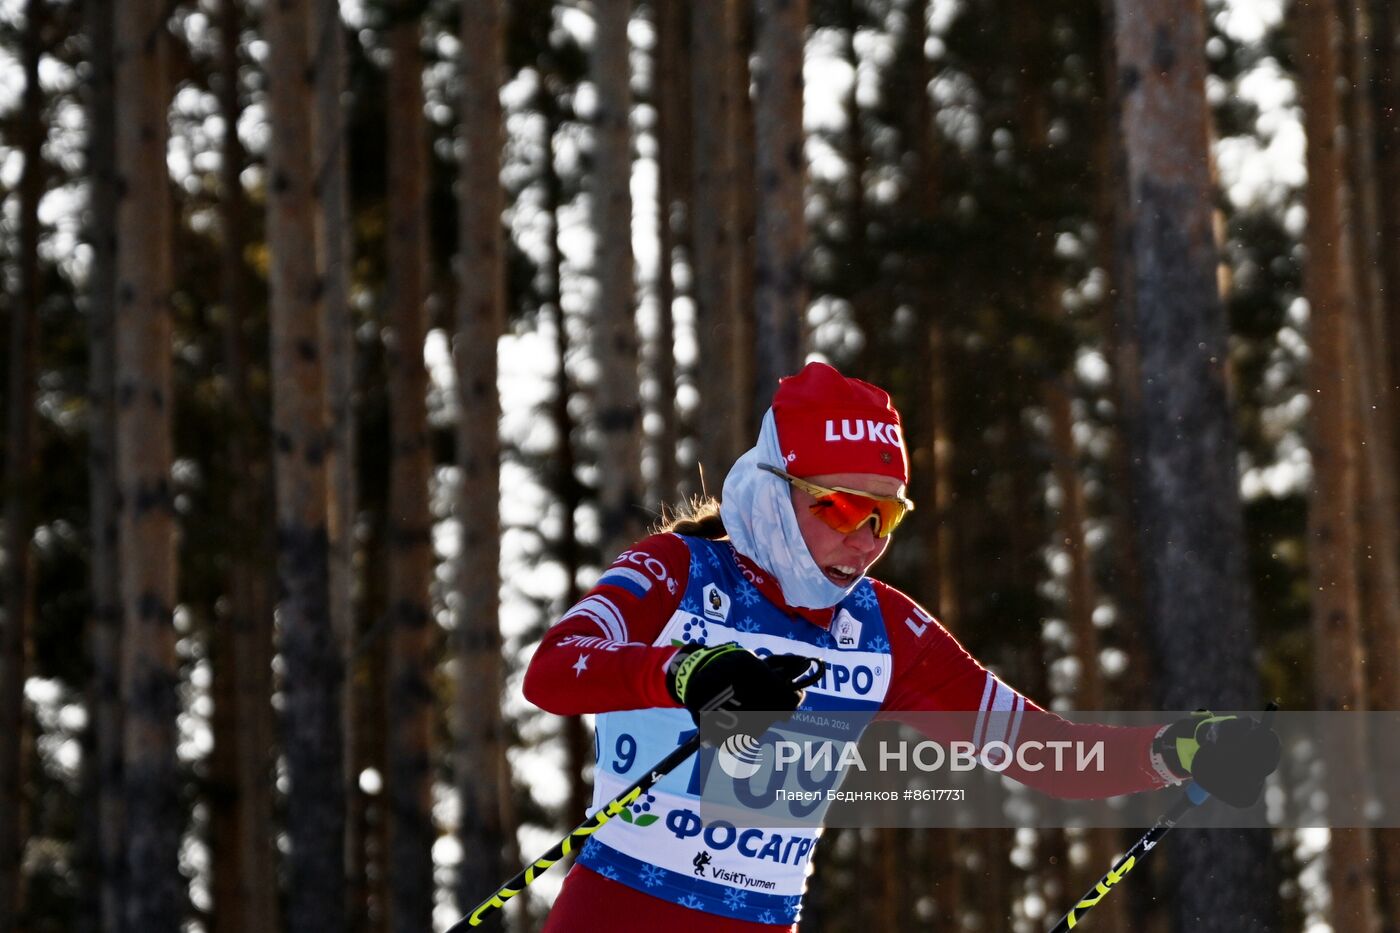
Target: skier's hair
{"points": [[697, 517]]}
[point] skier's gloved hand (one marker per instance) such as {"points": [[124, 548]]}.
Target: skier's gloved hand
{"points": [[727, 679], [1228, 756]]}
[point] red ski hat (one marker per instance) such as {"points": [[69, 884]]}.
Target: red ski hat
{"points": [[828, 423]]}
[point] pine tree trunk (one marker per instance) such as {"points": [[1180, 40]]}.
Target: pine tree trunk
{"points": [[221, 791], [1384, 681], [1112, 215], [247, 627], [15, 734], [483, 783], [1356, 65], [886, 845], [1385, 102], [335, 224], [1333, 535], [251, 609], [865, 307], [617, 407], [410, 699], [720, 370], [743, 361], [947, 845], [155, 895], [943, 548], [675, 204], [578, 749], [1022, 565], [936, 475], [1186, 492], [993, 880], [244, 864], [310, 652], [372, 733], [780, 294], [105, 626], [1378, 417]]}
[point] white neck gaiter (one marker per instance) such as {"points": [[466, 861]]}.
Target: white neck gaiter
{"points": [[756, 507]]}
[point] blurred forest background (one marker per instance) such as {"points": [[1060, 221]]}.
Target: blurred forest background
{"points": [[346, 342]]}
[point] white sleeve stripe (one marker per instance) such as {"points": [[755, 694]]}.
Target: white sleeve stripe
{"points": [[982, 711], [608, 624], [578, 611], [1016, 721], [998, 726], [996, 721], [602, 612], [606, 612], [609, 609]]}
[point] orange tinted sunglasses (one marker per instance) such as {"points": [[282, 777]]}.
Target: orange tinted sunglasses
{"points": [[846, 510]]}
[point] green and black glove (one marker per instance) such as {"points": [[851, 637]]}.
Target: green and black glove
{"points": [[730, 679], [1228, 756]]}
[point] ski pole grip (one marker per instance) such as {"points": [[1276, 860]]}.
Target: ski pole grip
{"points": [[1194, 792]]}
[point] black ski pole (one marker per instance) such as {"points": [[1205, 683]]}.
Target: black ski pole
{"points": [[1193, 797], [598, 818], [577, 837]]}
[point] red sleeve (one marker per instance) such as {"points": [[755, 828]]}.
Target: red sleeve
{"points": [[600, 656], [933, 673]]}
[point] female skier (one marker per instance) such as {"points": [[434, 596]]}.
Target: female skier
{"points": [[692, 620]]}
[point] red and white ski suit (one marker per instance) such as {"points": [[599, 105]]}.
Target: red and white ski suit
{"points": [[608, 653]]}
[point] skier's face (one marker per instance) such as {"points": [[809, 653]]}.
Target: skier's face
{"points": [[843, 557]]}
